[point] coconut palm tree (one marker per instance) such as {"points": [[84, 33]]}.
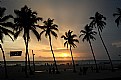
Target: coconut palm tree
{"points": [[70, 40], [97, 21], [118, 15], [49, 29], [26, 22], [5, 29], [88, 35]]}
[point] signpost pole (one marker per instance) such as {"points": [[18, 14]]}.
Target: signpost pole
{"points": [[33, 60]]}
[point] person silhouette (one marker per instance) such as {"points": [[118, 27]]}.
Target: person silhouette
{"points": [[80, 73], [50, 70], [53, 70]]}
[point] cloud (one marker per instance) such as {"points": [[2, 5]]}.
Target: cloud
{"points": [[62, 58], [55, 50], [117, 44]]}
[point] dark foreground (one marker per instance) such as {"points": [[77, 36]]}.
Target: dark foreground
{"points": [[16, 73]]}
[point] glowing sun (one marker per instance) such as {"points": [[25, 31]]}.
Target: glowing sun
{"points": [[65, 55]]}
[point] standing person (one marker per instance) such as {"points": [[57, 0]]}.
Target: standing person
{"points": [[81, 70], [53, 70]]}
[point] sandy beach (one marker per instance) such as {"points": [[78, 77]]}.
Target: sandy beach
{"points": [[66, 73]]}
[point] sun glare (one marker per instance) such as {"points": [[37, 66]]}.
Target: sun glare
{"points": [[65, 55]]}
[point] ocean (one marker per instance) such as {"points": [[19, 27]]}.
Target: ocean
{"points": [[79, 62]]}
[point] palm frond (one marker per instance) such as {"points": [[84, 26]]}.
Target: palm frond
{"points": [[5, 18], [74, 45], [67, 46], [82, 31], [46, 34], [75, 40], [7, 24], [54, 28], [36, 34], [17, 12], [116, 14], [66, 34], [1, 36], [2, 11], [65, 43], [81, 35], [54, 34], [119, 10], [41, 33], [91, 18], [54, 25], [39, 19], [7, 32], [117, 21], [84, 38], [64, 37], [16, 34], [73, 36]]}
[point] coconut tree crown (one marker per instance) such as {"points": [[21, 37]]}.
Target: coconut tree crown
{"points": [[97, 21], [70, 39], [5, 25], [118, 15], [26, 20], [49, 28], [88, 33]]}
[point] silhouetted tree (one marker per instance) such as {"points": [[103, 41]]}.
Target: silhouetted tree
{"points": [[5, 29], [97, 21], [26, 22], [49, 29], [118, 15], [70, 40], [88, 34]]}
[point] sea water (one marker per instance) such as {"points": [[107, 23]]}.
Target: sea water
{"points": [[79, 62]]}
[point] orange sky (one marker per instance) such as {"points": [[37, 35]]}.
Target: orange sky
{"points": [[68, 14]]}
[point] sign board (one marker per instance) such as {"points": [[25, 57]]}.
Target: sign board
{"points": [[15, 53]]}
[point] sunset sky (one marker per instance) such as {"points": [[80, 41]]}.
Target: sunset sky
{"points": [[68, 15]]}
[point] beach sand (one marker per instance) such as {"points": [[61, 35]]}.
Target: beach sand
{"points": [[66, 73]]}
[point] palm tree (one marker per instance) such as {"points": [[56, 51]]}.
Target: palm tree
{"points": [[70, 40], [98, 22], [88, 34], [49, 29], [118, 15], [5, 29], [26, 22]]}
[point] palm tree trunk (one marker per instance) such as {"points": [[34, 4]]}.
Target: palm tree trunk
{"points": [[29, 65], [26, 59], [53, 55], [93, 56], [106, 50], [74, 69], [6, 75]]}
